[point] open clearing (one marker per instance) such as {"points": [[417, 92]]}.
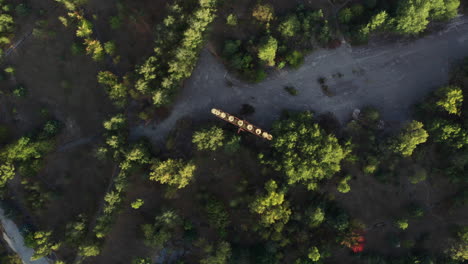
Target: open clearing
{"points": [[390, 77]]}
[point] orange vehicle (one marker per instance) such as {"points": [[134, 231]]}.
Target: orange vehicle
{"points": [[241, 124]]}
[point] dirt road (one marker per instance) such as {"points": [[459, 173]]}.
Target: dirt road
{"points": [[389, 76], [15, 240]]}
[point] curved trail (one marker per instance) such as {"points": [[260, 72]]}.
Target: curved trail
{"points": [[390, 76]]}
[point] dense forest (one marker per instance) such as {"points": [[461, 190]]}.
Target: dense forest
{"points": [[363, 191]]}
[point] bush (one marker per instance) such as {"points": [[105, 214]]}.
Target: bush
{"points": [[137, 204], [231, 20], [295, 59], [291, 90], [401, 223], [418, 175], [290, 26], [20, 91], [343, 186]]}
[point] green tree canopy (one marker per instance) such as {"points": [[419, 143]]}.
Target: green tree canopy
{"points": [[267, 50], [304, 151], [314, 254], [411, 135], [220, 255], [41, 243], [272, 207], [412, 16], [209, 139], [163, 229], [343, 185], [448, 133], [263, 12], [450, 99], [459, 249], [289, 26], [173, 172]]}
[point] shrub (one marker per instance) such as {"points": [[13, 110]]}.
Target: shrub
{"points": [[343, 186], [291, 90], [231, 20], [295, 59], [20, 91], [401, 223], [137, 204]]}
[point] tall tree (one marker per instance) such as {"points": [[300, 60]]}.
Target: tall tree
{"points": [[411, 135], [304, 151], [173, 172]]}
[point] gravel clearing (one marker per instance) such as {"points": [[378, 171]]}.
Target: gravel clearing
{"points": [[390, 77]]}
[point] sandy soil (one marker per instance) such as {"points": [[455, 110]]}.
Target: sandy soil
{"points": [[389, 76]]}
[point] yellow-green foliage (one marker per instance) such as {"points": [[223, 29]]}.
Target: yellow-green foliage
{"points": [[208, 139], [450, 99], [263, 12], [267, 50], [304, 151], [411, 135], [41, 243], [173, 172], [272, 207]]}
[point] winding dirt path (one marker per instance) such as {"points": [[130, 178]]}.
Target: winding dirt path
{"points": [[391, 77]]}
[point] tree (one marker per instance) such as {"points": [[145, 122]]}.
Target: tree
{"points": [[409, 138], [137, 204], [272, 207], [289, 26], [316, 217], [7, 173], [159, 233], [76, 231], [343, 186], [345, 15], [142, 261], [41, 243], [402, 223], [220, 256], [304, 151], [267, 50], [450, 99], [419, 175], [231, 20], [448, 133], [116, 90], [95, 49], [412, 16], [85, 29], [263, 13], [209, 139], [444, 9], [459, 250], [116, 123], [377, 21], [90, 250], [110, 48], [314, 254], [175, 173]]}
